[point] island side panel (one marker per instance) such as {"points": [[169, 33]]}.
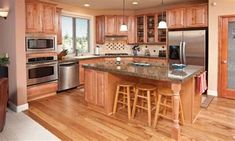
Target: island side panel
{"points": [[191, 100]]}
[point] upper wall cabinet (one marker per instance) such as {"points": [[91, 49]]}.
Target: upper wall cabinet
{"points": [[110, 25], [196, 16], [100, 29], [175, 18], [192, 16], [131, 30], [58, 25], [40, 17]]}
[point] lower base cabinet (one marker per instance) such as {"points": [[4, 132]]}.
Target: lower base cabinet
{"points": [[95, 87]]}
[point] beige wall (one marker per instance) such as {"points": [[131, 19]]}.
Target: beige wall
{"points": [[223, 7], [12, 36]]}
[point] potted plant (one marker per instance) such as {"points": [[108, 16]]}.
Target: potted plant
{"points": [[4, 61]]}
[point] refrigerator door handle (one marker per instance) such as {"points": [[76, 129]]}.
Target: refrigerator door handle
{"points": [[183, 52]]}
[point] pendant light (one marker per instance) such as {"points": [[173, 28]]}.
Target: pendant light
{"points": [[162, 24], [123, 27]]}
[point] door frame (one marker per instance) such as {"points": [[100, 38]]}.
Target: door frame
{"points": [[220, 30]]}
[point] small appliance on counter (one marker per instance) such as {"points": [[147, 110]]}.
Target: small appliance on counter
{"points": [[135, 49], [162, 53], [97, 50]]}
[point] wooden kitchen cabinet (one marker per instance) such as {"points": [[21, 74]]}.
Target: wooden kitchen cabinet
{"points": [[48, 19], [95, 88], [110, 25], [196, 16], [131, 38], [58, 26], [33, 17], [40, 17], [175, 18], [100, 29]]}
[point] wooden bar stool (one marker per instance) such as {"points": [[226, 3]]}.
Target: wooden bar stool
{"points": [[145, 92], [164, 104], [123, 96]]}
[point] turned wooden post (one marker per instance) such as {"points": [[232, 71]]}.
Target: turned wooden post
{"points": [[175, 133]]}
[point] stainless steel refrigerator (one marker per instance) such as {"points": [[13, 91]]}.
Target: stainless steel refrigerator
{"points": [[188, 47]]}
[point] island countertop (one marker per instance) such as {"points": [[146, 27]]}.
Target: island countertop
{"points": [[156, 71]]}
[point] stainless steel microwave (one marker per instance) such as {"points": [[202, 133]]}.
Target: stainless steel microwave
{"points": [[41, 43]]}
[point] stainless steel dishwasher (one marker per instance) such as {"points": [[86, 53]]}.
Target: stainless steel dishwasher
{"points": [[68, 75]]}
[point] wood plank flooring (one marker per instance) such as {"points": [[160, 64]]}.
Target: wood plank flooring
{"points": [[67, 116]]}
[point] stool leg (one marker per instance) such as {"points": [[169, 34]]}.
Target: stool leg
{"points": [[116, 100], [165, 108], [128, 103], [157, 111], [181, 113], [134, 105], [149, 108]]}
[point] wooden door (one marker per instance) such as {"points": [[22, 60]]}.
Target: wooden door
{"points": [[119, 22], [196, 16], [110, 25], [58, 26], [226, 81], [48, 18], [131, 30], [175, 18], [100, 28], [33, 17]]}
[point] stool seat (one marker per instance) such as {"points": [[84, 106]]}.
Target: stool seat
{"points": [[146, 87], [165, 91], [126, 83]]}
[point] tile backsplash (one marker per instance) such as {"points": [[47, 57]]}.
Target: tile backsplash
{"points": [[122, 47]]}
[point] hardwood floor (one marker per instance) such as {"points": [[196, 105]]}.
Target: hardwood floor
{"points": [[67, 116]]}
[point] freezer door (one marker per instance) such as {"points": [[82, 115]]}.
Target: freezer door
{"points": [[175, 41], [194, 47]]}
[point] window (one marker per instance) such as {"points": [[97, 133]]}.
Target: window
{"points": [[75, 33]]}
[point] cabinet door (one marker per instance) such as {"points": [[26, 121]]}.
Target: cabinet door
{"points": [[119, 22], [90, 86], [100, 28], [58, 26], [49, 18], [110, 25], [131, 30], [175, 18], [33, 17], [197, 16], [100, 88]]}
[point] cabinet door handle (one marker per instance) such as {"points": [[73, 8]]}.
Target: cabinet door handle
{"points": [[224, 62]]}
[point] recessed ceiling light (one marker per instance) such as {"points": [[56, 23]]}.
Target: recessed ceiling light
{"points": [[135, 2], [87, 5]]}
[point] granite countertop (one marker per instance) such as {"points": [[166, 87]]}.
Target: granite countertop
{"points": [[75, 58], [156, 71]]}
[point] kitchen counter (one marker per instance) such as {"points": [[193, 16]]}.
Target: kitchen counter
{"points": [[75, 58], [156, 71], [101, 80]]}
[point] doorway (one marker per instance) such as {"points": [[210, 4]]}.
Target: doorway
{"points": [[226, 83]]}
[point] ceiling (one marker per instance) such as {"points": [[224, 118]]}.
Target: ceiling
{"points": [[117, 4]]}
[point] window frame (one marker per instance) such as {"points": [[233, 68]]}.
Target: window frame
{"points": [[74, 28]]}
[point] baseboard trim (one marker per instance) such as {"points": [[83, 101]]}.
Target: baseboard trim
{"points": [[19, 108], [212, 93]]}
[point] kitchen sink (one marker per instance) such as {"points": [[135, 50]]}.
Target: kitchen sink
{"points": [[142, 64]]}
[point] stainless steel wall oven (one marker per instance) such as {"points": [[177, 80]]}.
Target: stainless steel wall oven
{"points": [[41, 70]]}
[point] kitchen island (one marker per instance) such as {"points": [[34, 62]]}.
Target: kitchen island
{"points": [[102, 78]]}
